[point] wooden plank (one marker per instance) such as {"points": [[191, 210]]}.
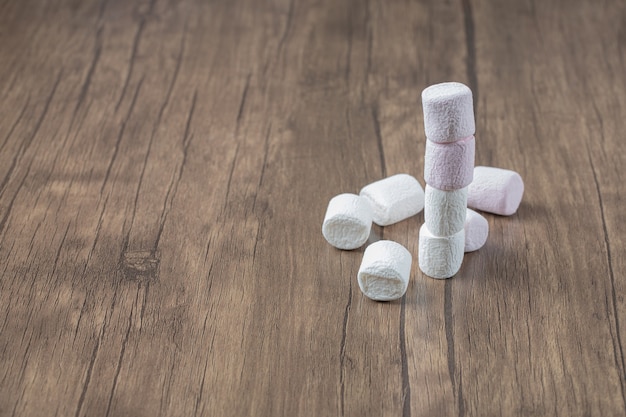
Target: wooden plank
{"points": [[164, 171]]}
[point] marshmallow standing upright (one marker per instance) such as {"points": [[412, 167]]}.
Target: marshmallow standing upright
{"points": [[448, 171], [448, 112], [445, 210], [440, 257], [449, 166]]}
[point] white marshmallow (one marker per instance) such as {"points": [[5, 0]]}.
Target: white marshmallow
{"points": [[440, 257], [384, 271], [495, 190], [394, 198], [448, 112], [347, 222], [476, 231], [444, 212]]}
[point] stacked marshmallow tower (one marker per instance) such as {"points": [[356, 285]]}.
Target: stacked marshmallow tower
{"points": [[448, 171]]}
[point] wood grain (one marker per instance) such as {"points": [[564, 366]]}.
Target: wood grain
{"points": [[165, 166]]}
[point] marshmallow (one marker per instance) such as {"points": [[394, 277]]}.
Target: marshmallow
{"points": [[444, 213], [384, 271], [476, 231], [448, 112], [440, 257], [394, 198], [347, 222], [449, 166], [495, 190]]}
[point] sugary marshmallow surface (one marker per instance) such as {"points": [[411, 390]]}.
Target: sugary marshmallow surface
{"points": [[394, 198], [347, 222], [445, 211], [476, 231], [384, 271], [449, 166], [495, 190], [448, 112], [440, 257]]}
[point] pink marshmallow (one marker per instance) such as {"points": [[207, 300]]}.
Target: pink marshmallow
{"points": [[495, 190], [449, 166], [448, 112]]}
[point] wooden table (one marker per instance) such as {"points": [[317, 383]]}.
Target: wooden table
{"points": [[165, 167]]}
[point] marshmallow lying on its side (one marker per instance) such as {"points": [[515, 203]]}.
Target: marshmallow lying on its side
{"points": [[440, 257], [476, 231], [448, 112], [495, 190], [384, 271], [347, 222], [394, 198], [445, 211], [449, 166]]}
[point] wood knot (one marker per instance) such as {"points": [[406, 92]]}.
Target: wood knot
{"points": [[140, 265]]}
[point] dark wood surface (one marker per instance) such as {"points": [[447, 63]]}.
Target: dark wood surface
{"points": [[165, 167]]}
